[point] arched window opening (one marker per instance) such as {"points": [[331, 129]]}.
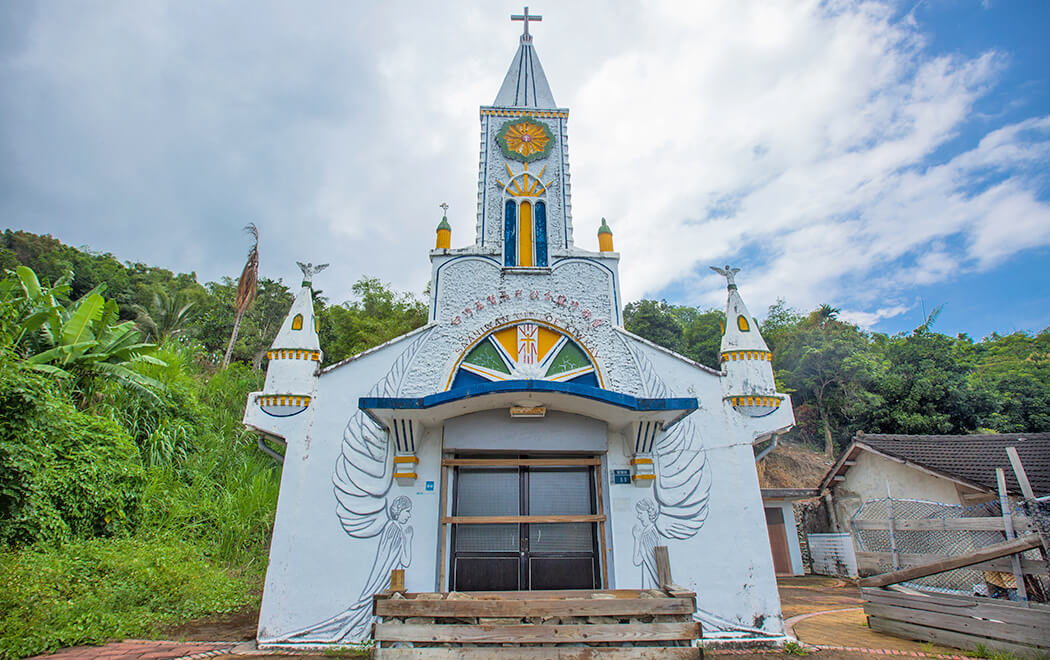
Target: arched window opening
{"points": [[297, 322], [525, 235], [541, 234], [510, 231], [741, 322]]}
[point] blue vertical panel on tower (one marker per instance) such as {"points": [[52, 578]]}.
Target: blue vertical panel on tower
{"points": [[541, 234], [510, 233]]}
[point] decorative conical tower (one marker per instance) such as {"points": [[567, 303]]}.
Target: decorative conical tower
{"points": [[294, 356], [523, 187], [745, 358]]}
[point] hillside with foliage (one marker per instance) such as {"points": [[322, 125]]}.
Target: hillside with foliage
{"points": [[843, 379], [131, 497]]}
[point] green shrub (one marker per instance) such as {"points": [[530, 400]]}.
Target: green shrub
{"points": [[65, 472], [91, 591]]}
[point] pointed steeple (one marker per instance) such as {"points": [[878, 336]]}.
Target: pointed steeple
{"points": [[749, 385], [741, 331], [525, 85]]}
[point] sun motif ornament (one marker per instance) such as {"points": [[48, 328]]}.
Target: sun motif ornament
{"points": [[525, 140]]}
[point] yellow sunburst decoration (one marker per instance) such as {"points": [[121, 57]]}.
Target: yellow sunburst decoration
{"points": [[525, 140]]}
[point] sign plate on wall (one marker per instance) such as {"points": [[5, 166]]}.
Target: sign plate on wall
{"points": [[621, 476]]}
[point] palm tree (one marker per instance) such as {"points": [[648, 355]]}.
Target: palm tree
{"points": [[246, 288], [166, 317]]}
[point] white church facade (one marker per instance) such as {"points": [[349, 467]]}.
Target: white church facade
{"points": [[522, 439]]}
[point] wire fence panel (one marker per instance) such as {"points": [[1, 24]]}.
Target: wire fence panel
{"points": [[918, 546]]}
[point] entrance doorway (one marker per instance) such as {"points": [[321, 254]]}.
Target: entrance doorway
{"points": [[552, 545]]}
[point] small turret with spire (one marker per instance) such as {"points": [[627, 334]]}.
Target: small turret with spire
{"points": [[294, 356], [745, 357]]}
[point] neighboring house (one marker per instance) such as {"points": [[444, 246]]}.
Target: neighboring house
{"points": [[952, 469], [779, 504]]}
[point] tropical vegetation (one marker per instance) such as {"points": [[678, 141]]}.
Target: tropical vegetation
{"points": [[131, 497]]}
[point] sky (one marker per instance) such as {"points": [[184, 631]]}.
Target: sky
{"points": [[885, 158]]}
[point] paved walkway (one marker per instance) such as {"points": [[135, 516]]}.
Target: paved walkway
{"points": [[144, 649]]}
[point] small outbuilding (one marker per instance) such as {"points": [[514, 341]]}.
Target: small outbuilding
{"points": [[949, 469]]}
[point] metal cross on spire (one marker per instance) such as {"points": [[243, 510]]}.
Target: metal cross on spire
{"points": [[444, 207], [525, 37]]}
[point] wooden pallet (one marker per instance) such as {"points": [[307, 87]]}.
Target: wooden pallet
{"points": [[960, 621], [576, 625]]}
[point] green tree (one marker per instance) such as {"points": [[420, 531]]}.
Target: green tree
{"points": [[168, 316], [823, 361], [654, 320], [378, 314]]}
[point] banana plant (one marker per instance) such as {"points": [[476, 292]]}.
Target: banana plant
{"points": [[82, 339]]}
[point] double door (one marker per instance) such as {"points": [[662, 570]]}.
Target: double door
{"points": [[527, 554]]}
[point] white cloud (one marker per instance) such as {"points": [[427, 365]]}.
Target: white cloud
{"points": [[804, 137]]}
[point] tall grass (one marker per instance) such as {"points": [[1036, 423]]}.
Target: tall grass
{"points": [[198, 526]]}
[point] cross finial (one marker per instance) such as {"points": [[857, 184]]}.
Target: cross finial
{"points": [[525, 37], [444, 208]]}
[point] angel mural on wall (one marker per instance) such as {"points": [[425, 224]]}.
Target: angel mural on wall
{"points": [[363, 476], [646, 538], [683, 484]]}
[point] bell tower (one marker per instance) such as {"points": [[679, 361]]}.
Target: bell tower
{"points": [[524, 210]]}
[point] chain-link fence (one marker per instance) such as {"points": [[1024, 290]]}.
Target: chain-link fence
{"points": [[872, 534]]}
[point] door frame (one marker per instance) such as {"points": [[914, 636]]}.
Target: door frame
{"points": [[447, 553]]}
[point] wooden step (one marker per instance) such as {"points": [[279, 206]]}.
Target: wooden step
{"points": [[546, 653], [518, 608], [535, 633]]}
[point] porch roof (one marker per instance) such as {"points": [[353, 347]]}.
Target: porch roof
{"points": [[616, 409]]}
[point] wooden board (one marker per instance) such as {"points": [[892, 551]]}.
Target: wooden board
{"points": [[873, 561], [505, 462], [525, 653], [504, 520], [522, 608], [986, 524], [962, 622], [984, 554], [1034, 614], [946, 637], [556, 594], [536, 634]]}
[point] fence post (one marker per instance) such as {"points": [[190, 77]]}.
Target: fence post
{"points": [[889, 521], [1008, 526]]}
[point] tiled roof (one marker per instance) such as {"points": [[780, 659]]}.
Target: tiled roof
{"points": [[970, 458]]}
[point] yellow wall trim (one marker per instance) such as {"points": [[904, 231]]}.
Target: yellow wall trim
{"points": [[288, 354], [762, 356], [283, 400]]}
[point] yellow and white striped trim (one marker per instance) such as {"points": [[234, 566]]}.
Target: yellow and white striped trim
{"points": [[644, 477], [405, 459], [764, 356], [405, 475], [761, 401], [283, 400], [289, 354], [524, 113], [641, 461]]}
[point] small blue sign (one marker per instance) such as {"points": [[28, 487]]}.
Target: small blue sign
{"points": [[621, 476], [430, 485]]}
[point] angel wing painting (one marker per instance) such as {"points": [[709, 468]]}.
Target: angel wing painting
{"points": [[363, 475], [683, 484]]}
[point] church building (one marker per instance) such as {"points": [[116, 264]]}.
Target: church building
{"points": [[522, 439]]}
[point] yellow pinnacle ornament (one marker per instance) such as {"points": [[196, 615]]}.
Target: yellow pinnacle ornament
{"points": [[444, 231], [605, 242]]}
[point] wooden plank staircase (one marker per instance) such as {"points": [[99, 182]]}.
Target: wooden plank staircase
{"points": [[568, 625]]}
